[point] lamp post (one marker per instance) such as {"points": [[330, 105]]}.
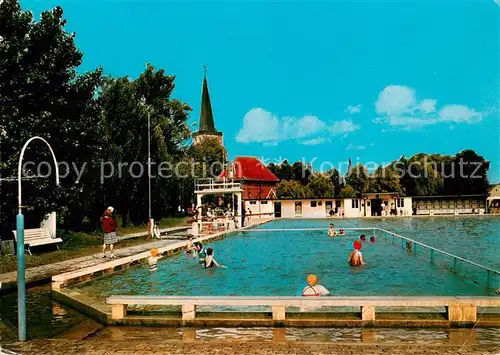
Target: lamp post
{"points": [[143, 102], [21, 285]]}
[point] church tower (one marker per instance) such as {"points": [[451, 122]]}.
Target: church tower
{"points": [[206, 128]]}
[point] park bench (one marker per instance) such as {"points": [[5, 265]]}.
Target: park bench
{"points": [[36, 237], [459, 309]]}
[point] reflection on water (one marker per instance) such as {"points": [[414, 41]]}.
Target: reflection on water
{"points": [[46, 318], [344, 335]]}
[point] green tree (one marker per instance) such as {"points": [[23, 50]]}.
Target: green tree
{"points": [[125, 106], [348, 192], [319, 186], [41, 94], [384, 179], [286, 171], [357, 178], [337, 180], [291, 189], [301, 172]]}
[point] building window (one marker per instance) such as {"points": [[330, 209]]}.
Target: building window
{"points": [[400, 202], [355, 203], [313, 203], [253, 202], [337, 203], [320, 203], [263, 202]]}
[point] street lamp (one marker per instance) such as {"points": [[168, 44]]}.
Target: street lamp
{"points": [[143, 102], [21, 286]]}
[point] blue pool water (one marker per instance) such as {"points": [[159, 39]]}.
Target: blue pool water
{"points": [[276, 263]]}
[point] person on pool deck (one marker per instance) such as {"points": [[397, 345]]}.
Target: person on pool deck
{"points": [[331, 231], [153, 259], [356, 258], [313, 289], [210, 260]]}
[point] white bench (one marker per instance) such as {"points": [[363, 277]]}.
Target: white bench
{"points": [[459, 309], [36, 237]]}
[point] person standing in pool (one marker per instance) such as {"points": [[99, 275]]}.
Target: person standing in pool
{"points": [[363, 238], [153, 260], [313, 289], [189, 246], [356, 258], [331, 231], [210, 260]]}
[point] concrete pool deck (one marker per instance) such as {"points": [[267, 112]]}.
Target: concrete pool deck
{"points": [[159, 346]]}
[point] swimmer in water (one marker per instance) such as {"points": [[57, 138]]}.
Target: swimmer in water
{"points": [[313, 289], [356, 258], [210, 260], [341, 232], [331, 231], [153, 260], [189, 246], [372, 239], [363, 238]]}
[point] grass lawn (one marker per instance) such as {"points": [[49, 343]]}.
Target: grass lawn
{"points": [[81, 244]]}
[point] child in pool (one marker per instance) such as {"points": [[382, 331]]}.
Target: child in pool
{"points": [[363, 238], [313, 289], [153, 259], [341, 232], [372, 239], [356, 258], [210, 261], [331, 231], [189, 246]]}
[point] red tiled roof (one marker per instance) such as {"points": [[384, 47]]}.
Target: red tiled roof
{"points": [[256, 192], [249, 168]]}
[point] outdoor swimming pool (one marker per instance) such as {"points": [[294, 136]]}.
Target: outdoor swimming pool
{"points": [[276, 263]]}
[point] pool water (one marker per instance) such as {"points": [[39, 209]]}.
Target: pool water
{"points": [[276, 263]]}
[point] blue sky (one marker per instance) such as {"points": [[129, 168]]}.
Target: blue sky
{"points": [[329, 81]]}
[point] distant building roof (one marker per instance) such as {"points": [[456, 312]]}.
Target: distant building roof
{"points": [[249, 168]]}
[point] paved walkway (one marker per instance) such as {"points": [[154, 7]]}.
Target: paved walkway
{"points": [[9, 279], [157, 346]]}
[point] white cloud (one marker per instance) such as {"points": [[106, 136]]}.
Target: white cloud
{"points": [[395, 100], [459, 114], [315, 141], [265, 127], [398, 107], [355, 147], [353, 109], [344, 126]]}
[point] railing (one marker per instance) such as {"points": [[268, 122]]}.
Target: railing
{"points": [[435, 255], [454, 263], [217, 184]]}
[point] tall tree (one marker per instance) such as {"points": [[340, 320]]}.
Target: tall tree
{"points": [[291, 189], [357, 178], [319, 186], [41, 94], [126, 105]]}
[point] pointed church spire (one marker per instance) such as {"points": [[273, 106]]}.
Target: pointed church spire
{"points": [[206, 116]]}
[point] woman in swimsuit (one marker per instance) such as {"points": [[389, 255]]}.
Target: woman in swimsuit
{"points": [[313, 289], [356, 258], [210, 260]]}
